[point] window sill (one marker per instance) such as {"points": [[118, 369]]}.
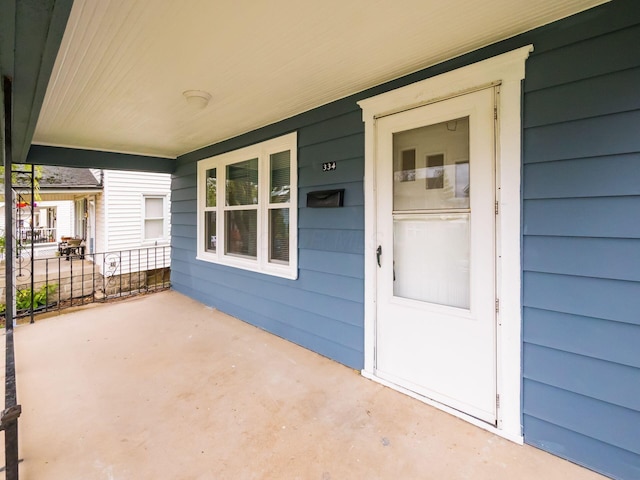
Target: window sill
{"points": [[274, 270]]}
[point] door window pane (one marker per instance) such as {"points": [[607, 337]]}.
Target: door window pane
{"points": [[279, 235], [280, 177], [431, 258], [242, 183], [441, 176], [211, 239], [241, 227]]}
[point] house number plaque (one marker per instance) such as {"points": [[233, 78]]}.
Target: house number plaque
{"points": [[328, 166]]}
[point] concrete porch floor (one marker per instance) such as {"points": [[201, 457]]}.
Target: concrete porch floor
{"points": [[162, 387]]}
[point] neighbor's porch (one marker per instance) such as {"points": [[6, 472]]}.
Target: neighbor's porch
{"points": [[161, 386]]}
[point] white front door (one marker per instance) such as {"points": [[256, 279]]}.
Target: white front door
{"points": [[435, 288]]}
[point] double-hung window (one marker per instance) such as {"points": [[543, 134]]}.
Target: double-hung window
{"points": [[154, 223], [247, 208]]}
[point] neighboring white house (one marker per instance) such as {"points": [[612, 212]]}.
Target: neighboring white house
{"points": [[110, 210]]}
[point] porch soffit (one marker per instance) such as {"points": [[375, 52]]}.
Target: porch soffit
{"points": [[120, 72]]}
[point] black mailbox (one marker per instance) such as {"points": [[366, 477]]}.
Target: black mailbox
{"points": [[325, 198]]}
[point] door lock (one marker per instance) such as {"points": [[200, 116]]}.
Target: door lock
{"points": [[378, 254]]}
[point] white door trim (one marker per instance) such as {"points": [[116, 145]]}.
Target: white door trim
{"points": [[507, 70]]}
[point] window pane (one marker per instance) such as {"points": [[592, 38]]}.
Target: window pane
{"points": [[431, 167], [153, 207], [211, 239], [279, 235], [153, 229], [242, 183], [241, 227], [280, 177], [211, 187], [431, 258]]}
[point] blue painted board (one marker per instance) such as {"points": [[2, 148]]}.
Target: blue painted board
{"points": [[184, 219], [604, 421], [180, 194], [584, 256], [346, 241], [606, 217], [184, 181], [260, 287], [591, 57], [75, 157], [318, 325], [186, 243], [344, 218], [593, 137], [591, 23], [184, 206], [332, 128], [599, 456], [348, 170], [594, 378], [592, 337], [592, 297], [593, 97], [608, 176], [188, 231], [343, 148], [339, 263]]}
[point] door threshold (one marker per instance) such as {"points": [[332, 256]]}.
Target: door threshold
{"points": [[519, 439]]}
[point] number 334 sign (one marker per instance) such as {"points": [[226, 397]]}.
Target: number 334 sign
{"points": [[328, 166]]}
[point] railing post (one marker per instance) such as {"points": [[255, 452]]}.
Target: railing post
{"points": [[9, 417]]}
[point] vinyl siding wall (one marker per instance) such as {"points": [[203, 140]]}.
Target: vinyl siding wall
{"points": [[322, 309], [580, 245], [123, 213]]}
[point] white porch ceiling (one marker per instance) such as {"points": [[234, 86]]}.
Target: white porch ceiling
{"points": [[123, 64]]}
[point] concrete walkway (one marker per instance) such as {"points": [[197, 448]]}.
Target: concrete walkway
{"points": [[161, 387]]}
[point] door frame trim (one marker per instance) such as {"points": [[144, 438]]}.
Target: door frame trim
{"points": [[508, 71]]}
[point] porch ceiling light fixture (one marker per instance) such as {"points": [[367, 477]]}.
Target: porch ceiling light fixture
{"points": [[197, 98]]}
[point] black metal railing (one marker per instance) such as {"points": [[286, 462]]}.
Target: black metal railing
{"points": [[74, 277]]}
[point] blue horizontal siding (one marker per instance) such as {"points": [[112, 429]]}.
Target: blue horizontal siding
{"points": [[323, 309], [587, 336], [339, 263], [581, 245], [616, 259], [178, 195], [602, 298], [593, 97], [584, 415], [332, 128], [595, 378], [593, 137], [285, 292], [590, 177], [592, 453], [606, 217], [346, 218], [590, 57], [346, 241]]}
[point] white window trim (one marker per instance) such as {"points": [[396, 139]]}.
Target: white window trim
{"points": [[507, 70], [165, 219], [261, 151]]}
